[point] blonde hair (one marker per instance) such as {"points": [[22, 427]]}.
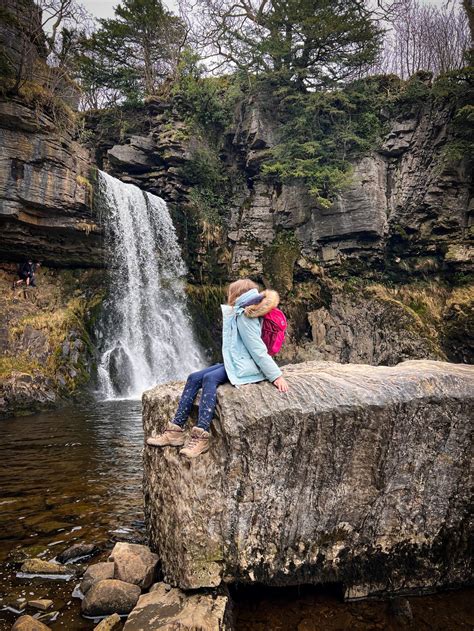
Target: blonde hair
{"points": [[239, 287]]}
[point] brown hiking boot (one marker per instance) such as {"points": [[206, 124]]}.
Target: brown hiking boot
{"points": [[174, 436], [198, 443]]}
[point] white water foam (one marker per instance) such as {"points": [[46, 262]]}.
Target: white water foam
{"points": [[146, 332]]}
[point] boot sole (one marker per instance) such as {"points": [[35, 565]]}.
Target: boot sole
{"points": [[174, 444], [194, 455]]}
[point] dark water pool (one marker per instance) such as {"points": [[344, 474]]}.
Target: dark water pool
{"points": [[76, 475], [66, 476]]}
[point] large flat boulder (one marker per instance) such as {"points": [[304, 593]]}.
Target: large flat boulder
{"points": [[358, 475]]}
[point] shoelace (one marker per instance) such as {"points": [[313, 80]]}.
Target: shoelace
{"points": [[193, 441]]}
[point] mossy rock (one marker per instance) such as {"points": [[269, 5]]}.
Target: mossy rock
{"points": [[279, 260]]}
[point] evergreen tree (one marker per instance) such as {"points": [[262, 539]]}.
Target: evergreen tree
{"points": [[135, 51], [309, 42]]}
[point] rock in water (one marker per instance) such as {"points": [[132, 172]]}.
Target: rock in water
{"points": [[78, 551], [95, 573], [173, 609], [28, 623], [41, 567], [43, 604], [110, 596], [134, 563], [358, 475]]}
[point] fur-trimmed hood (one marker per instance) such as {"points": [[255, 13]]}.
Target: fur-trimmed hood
{"points": [[270, 300]]}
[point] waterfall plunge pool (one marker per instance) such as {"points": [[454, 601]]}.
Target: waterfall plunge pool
{"points": [[75, 474]]}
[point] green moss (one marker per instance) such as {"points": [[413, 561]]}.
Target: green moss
{"points": [[70, 300], [321, 133], [83, 181], [279, 260], [20, 363]]}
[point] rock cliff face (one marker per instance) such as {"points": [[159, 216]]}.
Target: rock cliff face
{"points": [[407, 210], [406, 217], [358, 475], [406, 201], [45, 191], [46, 177]]}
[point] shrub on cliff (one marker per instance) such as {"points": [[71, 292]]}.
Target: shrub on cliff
{"points": [[322, 133]]}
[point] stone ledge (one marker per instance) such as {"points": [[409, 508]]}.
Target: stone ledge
{"points": [[358, 475]]}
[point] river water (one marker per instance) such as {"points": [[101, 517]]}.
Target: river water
{"points": [[66, 476], [75, 475]]}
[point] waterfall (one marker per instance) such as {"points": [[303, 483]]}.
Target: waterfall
{"points": [[145, 333]]}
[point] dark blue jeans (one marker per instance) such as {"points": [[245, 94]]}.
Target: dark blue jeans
{"points": [[207, 379]]}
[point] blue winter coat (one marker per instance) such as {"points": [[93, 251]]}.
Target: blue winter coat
{"points": [[246, 358]]}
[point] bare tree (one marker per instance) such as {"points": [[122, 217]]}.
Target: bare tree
{"points": [[423, 36]]}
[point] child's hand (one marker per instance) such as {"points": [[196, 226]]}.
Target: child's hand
{"points": [[281, 384]]}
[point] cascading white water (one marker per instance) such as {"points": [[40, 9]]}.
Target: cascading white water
{"points": [[146, 333]]}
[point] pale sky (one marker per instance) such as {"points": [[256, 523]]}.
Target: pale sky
{"points": [[105, 8]]}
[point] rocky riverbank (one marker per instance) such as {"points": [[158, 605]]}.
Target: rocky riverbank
{"points": [[46, 348], [49, 513]]}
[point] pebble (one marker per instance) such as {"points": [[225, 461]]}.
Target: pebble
{"points": [[39, 566]]}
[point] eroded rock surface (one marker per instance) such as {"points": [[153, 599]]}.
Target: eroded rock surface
{"points": [[170, 609], [358, 475], [95, 573], [28, 623], [46, 176]]}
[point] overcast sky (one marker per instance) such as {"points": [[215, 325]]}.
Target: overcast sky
{"points": [[105, 8]]}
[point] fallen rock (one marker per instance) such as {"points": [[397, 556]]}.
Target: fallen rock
{"points": [[78, 551], [134, 563], [110, 596], [95, 573], [111, 623], [42, 604], [28, 623], [39, 566], [168, 610], [358, 475]]}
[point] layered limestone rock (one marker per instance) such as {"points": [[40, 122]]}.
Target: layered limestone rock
{"points": [[45, 191], [407, 207], [46, 177], [152, 154], [358, 475]]}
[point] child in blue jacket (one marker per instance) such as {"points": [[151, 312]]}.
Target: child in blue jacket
{"points": [[246, 360]]}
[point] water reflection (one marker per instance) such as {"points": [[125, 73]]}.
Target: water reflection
{"points": [[74, 468]]}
